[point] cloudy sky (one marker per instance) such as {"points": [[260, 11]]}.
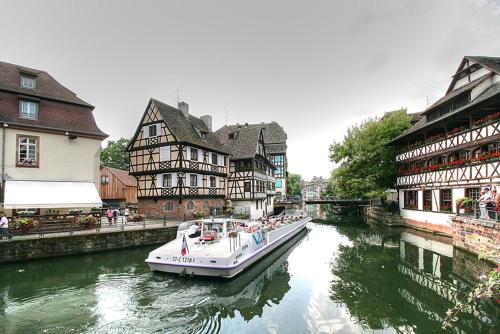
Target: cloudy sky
{"points": [[316, 67]]}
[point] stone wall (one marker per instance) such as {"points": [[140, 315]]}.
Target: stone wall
{"points": [[381, 215], [52, 246], [157, 208], [478, 236]]}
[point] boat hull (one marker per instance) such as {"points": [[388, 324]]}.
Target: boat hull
{"points": [[226, 271]]}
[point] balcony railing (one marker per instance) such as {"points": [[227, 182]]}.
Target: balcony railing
{"points": [[487, 169], [480, 132]]}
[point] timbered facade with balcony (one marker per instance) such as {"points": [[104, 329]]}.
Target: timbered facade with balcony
{"points": [[178, 162], [454, 149], [251, 182]]}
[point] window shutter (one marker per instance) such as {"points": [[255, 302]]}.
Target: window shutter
{"points": [[188, 153], [158, 129], [165, 153], [159, 180], [198, 176], [174, 179], [217, 182], [145, 132]]}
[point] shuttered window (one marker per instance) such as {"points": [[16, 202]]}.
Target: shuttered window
{"points": [[165, 153]]}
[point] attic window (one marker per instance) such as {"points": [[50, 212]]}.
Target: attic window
{"points": [[231, 136], [28, 81], [203, 135]]}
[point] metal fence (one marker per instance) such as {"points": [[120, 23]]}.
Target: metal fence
{"points": [[41, 225]]}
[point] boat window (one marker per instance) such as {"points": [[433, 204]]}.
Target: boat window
{"points": [[184, 226]]}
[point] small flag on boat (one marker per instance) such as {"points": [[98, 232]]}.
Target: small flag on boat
{"points": [[184, 249]]}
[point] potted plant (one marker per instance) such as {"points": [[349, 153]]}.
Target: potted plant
{"points": [[87, 221], [137, 217], [446, 208], [23, 224], [75, 212], [464, 204], [199, 214]]}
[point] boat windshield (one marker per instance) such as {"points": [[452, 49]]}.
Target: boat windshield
{"points": [[184, 226], [292, 212]]}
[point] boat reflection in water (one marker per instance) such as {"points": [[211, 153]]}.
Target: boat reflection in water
{"points": [[265, 283]]}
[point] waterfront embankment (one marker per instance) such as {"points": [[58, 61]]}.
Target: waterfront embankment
{"points": [[81, 242]]}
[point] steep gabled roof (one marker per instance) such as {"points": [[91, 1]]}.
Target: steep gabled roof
{"points": [[123, 175], [493, 90], [60, 109], [274, 135], [244, 144], [46, 85], [187, 129], [491, 63], [454, 93]]}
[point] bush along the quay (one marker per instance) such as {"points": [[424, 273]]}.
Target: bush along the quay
{"points": [[23, 224]]}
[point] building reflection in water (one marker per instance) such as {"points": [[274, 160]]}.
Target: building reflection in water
{"points": [[417, 286]]}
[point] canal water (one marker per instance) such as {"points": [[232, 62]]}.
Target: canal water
{"points": [[342, 276]]}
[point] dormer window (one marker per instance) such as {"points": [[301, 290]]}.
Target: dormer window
{"points": [[28, 109], [28, 81], [203, 135], [231, 136]]}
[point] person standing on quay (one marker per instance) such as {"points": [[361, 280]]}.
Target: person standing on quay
{"points": [[109, 214], [484, 200], [126, 214], [4, 226]]}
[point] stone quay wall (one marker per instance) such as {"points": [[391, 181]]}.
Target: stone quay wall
{"points": [[478, 236], [53, 246]]}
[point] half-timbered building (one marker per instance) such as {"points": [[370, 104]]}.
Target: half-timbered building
{"points": [[179, 164], [454, 149], [275, 144], [251, 182]]}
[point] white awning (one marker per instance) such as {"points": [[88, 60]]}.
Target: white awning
{"points": [[50, 194]]}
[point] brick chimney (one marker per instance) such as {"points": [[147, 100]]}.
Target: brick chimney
{"points": [[207, 119], [184, 107]]}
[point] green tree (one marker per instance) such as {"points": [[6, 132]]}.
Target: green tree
{"points": [[367, 164], [115, 155], [329, 190], [293, 184]]}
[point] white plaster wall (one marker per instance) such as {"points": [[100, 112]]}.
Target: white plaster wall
{"points": [[465, 80], [436, 218], [479, 89], [254, 212], [60, 158], [429, 244]]}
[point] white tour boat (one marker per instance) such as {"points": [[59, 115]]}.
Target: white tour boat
{"points": [[225, 247]]}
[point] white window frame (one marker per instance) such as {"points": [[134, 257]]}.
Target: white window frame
{"points": [[31, 147], [28, 109], [25, 79], [191, 180], [164, 153], [165, 177], [197, 154]]}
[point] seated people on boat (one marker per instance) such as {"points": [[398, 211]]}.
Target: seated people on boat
{"points": [[194, 231]]}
